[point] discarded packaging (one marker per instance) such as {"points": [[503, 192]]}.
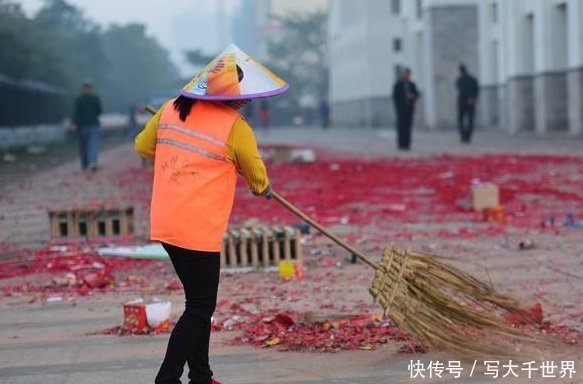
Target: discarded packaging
{"points": [[134, 315], [291, 269], [571, 222], [153, 251], [494, 215], [287, 154], [54, 299], [485, 195], [303, 156], [158, 312], [526, 244], [141, 317]]}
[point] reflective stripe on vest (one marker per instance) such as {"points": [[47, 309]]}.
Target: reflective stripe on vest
{"points": [[192, 148], [194, 183], [194, 134]]}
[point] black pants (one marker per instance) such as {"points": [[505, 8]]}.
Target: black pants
{"points": [[465, 110], [404, 123], [189, 342]]}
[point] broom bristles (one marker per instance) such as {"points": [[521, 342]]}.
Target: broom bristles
{"points": [[444, 307]]}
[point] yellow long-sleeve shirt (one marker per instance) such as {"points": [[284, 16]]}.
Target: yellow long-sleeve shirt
{"points": [[241, 150]]}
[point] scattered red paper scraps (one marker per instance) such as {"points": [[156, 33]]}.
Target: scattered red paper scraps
{"points": [[567, 334], [532, 319], [532, 315], [123, 330], [174, 285], [413, 190], [412, 348], [289, 332], [77, 269]]}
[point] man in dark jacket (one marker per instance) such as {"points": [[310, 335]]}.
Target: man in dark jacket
{"points": [[468, 90], [404, 97], [85, 120]]}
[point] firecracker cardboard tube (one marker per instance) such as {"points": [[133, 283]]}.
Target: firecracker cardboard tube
{"points": [[291, 269], [494, 214]]}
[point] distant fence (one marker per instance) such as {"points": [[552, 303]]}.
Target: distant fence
{"points": [[26, 102]]}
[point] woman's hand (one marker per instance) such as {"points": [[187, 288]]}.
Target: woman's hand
{"points": [[267, 193]]}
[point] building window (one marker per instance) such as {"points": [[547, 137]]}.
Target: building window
{"points": [[494, 12], [419, 9], [561, 37], [397, 45], [396, 6]]}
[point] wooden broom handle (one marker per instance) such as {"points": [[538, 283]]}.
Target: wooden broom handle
{"points": [[296, 211], [150, 109]]}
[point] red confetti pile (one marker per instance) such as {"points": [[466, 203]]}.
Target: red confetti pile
{"points": [[427, 190], [123, 330], [291, 331], [532, 315], [383, 191], [78, 270], [361, 332]]}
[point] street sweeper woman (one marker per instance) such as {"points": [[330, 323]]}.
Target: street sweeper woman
{"points": [[199, 143]]}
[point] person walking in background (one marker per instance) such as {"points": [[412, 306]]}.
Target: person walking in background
{"points": [[85, 120], [405, 95], [468, 90]]}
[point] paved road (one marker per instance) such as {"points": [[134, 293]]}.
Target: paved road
{"points": [[48, 343], [382, 142]]}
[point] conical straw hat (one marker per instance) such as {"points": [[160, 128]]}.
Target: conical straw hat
{"points": [[219, 80]]}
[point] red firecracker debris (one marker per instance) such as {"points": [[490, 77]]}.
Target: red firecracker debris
{"points": [[532, 315]]}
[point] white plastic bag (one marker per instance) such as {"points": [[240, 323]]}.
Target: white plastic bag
{"points": [[157, 312]]}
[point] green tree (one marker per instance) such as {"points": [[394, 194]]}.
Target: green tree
{"points": [[299, 56], [63, 48], [75, 43], [22, 49], [137, 66]]}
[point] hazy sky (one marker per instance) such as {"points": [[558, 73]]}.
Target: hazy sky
{"points": [[177, 24]]}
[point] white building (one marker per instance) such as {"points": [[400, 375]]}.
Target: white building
{"points": [[370, 40], [362, 63], [532, 65]]}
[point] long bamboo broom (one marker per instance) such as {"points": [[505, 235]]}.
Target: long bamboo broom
{"points": [[440, 305]]}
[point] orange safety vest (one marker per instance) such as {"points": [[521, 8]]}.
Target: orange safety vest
{"points": [[194, 183]]}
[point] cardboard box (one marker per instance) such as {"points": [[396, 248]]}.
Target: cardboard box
{"points": [[134, 316], [485, 195], [139, 316]]}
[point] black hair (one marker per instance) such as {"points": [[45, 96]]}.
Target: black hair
{"points": [[183, 104], [240, 73]]}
